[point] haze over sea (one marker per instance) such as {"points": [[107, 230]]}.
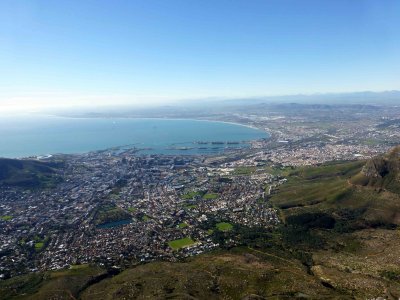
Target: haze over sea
{"points": [[23, 136]]}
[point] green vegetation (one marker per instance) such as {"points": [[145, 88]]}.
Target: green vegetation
{"points": [[108, 212], [278, 171], [190, 206], [318, 186], [182, 225], [381, 172], [40, 242], [210, 196], [79, 267], [191, 195], [16, 287], [223, 226], [181, 243], [131, 209], [241, 274], [63, 284], [274, 170], [201, 194], [28, 173], [330, 189], [351, 245], [391, 275], [146, 218], [244, 170], [6, 218], [39, 246]]}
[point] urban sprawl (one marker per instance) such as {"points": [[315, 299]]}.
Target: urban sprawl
{"points": [[119, 207]]}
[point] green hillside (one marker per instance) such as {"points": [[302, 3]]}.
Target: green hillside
{"points": [[331, 189], [28, 173], [63, 284], [381, 172]]}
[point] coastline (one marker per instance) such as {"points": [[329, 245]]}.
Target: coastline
{"points": [[234, 123], [154, 118], [43, 154]]}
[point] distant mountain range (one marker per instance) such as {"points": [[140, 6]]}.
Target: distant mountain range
{"points": [[367, 97], [197, 107]]}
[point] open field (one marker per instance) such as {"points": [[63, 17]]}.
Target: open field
{"points": [[190, 195], [6, 218], [223, 226], [181, 243], [182, 225], [211, 196]]}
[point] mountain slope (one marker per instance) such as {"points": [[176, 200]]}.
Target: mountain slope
{"points": [[356, 194], [381, 172], [27, 173]]}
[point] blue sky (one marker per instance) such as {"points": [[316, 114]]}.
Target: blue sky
{"points": [[140, 52]]}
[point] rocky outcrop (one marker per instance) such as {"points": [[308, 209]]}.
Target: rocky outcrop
{"points": [[381, 172]]}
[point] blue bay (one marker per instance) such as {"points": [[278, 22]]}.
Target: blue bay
{"points": [[42, 135]]}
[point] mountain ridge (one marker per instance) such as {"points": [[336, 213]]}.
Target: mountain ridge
{"points": [[382, 172]]}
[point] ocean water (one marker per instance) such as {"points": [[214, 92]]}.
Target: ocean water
{"points": [[22, 136]]}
